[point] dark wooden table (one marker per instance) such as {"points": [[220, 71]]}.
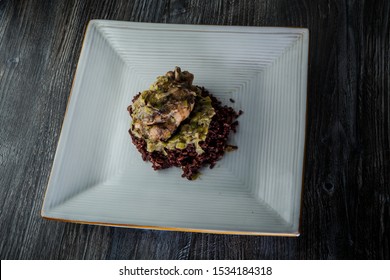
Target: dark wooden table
{"points": [[346, 202]]}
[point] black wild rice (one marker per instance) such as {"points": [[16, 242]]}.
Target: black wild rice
{"points": [[188, 159]]}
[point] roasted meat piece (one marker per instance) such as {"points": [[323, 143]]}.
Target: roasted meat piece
{"points": [[159, 111]]}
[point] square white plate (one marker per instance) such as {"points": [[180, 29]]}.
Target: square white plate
{"points": [[98, 176]]}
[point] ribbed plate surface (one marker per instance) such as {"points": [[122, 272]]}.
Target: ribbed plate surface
{"points": [[99, 177]]}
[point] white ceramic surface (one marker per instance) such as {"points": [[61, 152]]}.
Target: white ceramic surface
{"points": [[99, 177]]}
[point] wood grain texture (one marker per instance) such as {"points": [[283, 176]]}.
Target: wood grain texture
{"points": [[346, 202]]}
